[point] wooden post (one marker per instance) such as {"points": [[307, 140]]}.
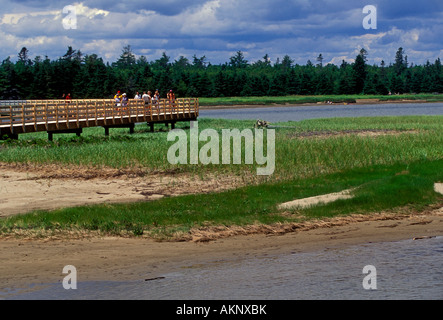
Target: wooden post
{"points": [[136, 110], [66, 114], [12, 119], [128, 108], [113, 114], [87, 114], [35, 117], [95, 113], [78, 122], [23, 119], [105, 118], [46, 115], [56, 116]]}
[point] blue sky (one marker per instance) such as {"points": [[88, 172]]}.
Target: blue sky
{"points": [[218, 29]]}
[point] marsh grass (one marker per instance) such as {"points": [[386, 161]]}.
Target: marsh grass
{"points": [[415, 138], [379, 188], [391, 171]]}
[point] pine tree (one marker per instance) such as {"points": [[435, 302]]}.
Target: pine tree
{"points": [[320, 60], [400, 64], [360, 72], [238, 61], [127, 58]]}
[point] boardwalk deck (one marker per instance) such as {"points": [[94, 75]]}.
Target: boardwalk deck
{"points": [[56, 116]]}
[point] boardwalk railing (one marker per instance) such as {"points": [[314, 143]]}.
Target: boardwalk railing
{"points": [[60, 115]]}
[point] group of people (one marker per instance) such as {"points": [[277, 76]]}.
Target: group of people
{"points": [[147, 96], [67, 97], [121, 100]]}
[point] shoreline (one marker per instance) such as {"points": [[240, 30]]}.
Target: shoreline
{"points": [[292, 105], [26, 264]]}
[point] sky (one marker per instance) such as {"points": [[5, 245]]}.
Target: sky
{"points": [[217, 29]]}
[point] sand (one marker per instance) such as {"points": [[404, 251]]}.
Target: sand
{"points": [[25, 189], [29, 262], [311, 201], [32, 262]]}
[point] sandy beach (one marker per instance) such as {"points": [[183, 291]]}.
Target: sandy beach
{"points": [[26, 188]]}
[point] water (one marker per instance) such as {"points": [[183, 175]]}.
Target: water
{"points": [[298, 113], [410, 269]]}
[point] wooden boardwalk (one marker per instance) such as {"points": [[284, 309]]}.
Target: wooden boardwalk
{"points": [[60, 116]]}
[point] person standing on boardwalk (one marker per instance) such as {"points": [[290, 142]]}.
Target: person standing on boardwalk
{"points": [[157, 95], [147, 97], [124, 100], [171, 95], [118, 99], [156, 100], [171, 98]]}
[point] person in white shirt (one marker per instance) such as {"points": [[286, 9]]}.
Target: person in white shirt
{"points": [[147, 97]]}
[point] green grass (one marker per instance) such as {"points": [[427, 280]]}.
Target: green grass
{"points": [[393, 171], [295, 157], [380, 188]]}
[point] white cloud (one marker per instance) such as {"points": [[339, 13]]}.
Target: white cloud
{"points": [[90, 13], [205, 20]]}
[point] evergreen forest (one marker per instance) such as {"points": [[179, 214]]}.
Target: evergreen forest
{"points": [[89, 77]]}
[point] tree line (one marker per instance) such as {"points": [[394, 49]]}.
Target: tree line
{"points": [[88, 76]]}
